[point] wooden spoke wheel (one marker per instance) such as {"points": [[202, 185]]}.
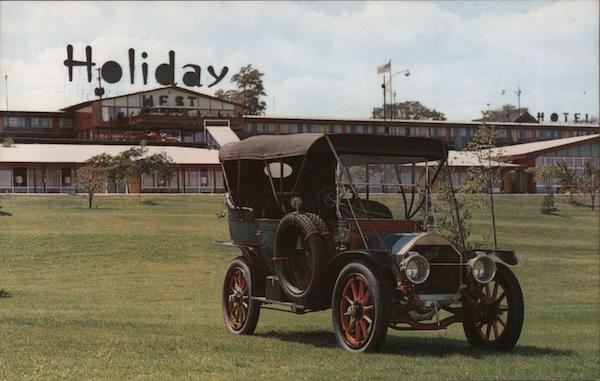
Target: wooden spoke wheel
{"points": [[360, 309], [240, 313], [500, 313]]}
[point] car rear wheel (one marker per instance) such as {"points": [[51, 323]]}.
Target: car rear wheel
{"points": [[360, 309], [501, 311], [240, 312]]}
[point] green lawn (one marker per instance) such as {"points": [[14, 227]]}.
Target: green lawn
{"points": [[132, 290]]}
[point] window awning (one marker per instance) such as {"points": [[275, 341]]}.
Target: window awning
{"points": [[222, 135]]}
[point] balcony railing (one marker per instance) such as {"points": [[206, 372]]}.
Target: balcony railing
{"points": [[172, 119]]}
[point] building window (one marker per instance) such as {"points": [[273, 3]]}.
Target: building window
{"points": [[200, 180], [575, 163], [65, 123], [437, 132], [502, 133], [14, 122], [333, 129], [265, 128], [417, 131], [251, 128], [20, 177], [524, 133], [41, 123], [289, 129]]}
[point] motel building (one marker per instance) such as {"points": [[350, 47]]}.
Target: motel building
{"points": [[190, 127]]}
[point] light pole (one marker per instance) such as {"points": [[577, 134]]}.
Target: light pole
{"points": [[406, 73]]}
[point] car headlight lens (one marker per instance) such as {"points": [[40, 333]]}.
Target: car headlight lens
{"points": [[483, 268], [415, 267]]}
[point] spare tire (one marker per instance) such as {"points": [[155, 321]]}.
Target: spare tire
{"points": [[326, 235], [300, 257]]}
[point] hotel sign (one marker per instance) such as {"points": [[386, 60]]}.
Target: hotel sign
{"points": [[112, 71], [575, 117]]}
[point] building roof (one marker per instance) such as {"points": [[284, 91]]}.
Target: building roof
{"points": [[472, 159], [174, 87], [469, 159], [412, 122], [526, 149], [508, 115], [79, 153]]}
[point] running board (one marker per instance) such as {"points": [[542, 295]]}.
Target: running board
{"points": [[296, 308]]}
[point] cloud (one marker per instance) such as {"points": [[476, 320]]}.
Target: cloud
{"points": [[318, 59]]}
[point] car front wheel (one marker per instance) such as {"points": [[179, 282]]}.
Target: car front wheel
{"points": [[360, 308], [501, 311]]}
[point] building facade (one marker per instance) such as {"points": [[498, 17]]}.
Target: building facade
{"points": [[173, 118]]}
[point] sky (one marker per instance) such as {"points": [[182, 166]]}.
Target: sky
{"points": [[318, 59]]}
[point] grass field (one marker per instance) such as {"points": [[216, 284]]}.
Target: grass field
{"points": [[132, 290]]}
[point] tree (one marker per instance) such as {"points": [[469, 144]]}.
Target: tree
{"points": [[453, 218], [507, 113], [133, 163], [121, 169], [547, 175], [230, 95], [158, 165], [407, 110], [589, 181], [567, 178], [250, 89], [487, 176], [92, 177], [125, 166]]}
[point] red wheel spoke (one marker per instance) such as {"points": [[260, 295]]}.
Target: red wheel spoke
{"points": [[495, 291], [348, 299], [363, 326], [487, 290], [368, 319], [361, 289], [495, 326], [357, 332], [501, 298], [354, 291], [501, 321], [366, 298], [488, 331], [367, 308]]}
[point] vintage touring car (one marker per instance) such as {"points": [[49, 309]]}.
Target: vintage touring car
{"points": [[309, 213]]}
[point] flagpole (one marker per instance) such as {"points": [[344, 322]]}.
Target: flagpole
{"points": [[391, 87], [384, 91]]}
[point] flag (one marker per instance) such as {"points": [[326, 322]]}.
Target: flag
{"points": [[384, 68]]}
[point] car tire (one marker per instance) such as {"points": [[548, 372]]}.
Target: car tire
{"points": [[300, 257], [501, 314], [360, 308], [240, 312], [326, 234]]}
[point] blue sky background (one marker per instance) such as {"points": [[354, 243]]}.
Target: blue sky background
{"points": [[319, 59]]}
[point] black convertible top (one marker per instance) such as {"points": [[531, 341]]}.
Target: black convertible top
{"points": [[267, 147]]}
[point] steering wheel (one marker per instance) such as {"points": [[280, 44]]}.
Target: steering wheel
{"points": [[327, 196]]}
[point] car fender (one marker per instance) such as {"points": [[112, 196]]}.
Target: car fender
{"points": [[506, 256], [381, 259]]}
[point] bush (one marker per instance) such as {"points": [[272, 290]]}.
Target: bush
{"points": [[7, 142], [548, 205]]}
